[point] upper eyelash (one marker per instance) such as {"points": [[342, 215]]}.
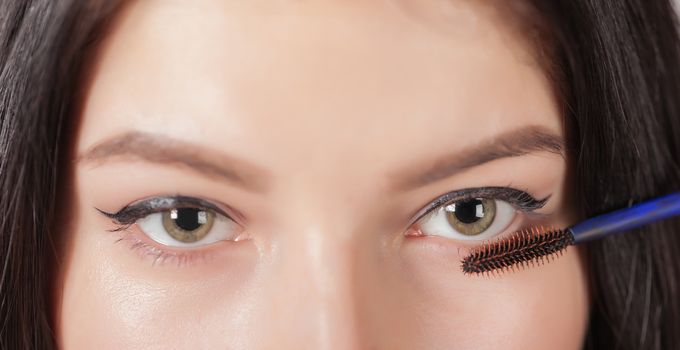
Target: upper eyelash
{"points": [[128, 215], [133, 212], [521, 200]]}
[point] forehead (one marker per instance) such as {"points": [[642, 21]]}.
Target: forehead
{"points": [[277, 82]]}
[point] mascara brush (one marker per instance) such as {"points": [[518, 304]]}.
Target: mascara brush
{"points": [[535, 245]]}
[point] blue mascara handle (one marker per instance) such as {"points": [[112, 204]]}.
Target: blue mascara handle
{"points": [[627, 219]]}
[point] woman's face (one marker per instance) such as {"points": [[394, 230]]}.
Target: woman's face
{"points": [[268, 163]]}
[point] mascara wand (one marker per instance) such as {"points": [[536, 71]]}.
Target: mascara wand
{"points": [[534, 245]]}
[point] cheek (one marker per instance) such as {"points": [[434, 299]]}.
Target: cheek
{"points": [[541, 307], [113, 299]]}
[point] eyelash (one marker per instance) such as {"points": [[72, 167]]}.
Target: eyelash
{"points": [[160, 256], [133, 212], [130, 214], [519, 199]]}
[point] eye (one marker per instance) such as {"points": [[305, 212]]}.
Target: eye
{"points": [[468, 219], [188, 227]]}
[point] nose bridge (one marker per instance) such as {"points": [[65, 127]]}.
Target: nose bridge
{"points": [[317, 296]]}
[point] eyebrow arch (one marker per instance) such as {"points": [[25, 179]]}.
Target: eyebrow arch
{"points": [[161, 149], [514, 143]]}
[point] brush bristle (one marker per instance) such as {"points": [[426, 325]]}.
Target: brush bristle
{"points": [[522, 248]]}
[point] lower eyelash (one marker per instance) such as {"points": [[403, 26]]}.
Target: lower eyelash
{"points": [[158, 256]]}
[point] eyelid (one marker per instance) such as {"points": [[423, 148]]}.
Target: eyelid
{"points": [[519, 199], [142, 208]]}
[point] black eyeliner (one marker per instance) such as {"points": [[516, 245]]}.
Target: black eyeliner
{"points": [[135, 211], [519, 199]]}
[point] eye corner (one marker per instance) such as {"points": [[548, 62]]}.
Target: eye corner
{"points": [[414, 232]]}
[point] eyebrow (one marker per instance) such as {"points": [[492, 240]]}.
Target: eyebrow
{"points": [[514, 143], [162, 149]]}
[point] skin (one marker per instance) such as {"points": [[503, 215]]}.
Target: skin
{"points": [[325, 106]]}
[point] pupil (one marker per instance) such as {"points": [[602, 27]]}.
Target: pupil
{"points": [[467, 211], [187, 219]]}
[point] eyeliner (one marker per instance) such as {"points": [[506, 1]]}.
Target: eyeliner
{"points": [[133, 212], [521, 200]]}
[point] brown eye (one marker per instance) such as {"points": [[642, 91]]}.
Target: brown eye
{"points": [[188, 224], [471, 217]]}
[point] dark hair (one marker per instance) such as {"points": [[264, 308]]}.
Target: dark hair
{"points": [[43, 46], [618, 65]]}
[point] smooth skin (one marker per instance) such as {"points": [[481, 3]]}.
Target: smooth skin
{"points": [[319, 109]]}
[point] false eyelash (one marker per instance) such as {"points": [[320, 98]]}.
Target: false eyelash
{"points": [[133, 212], [521, 200]]}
